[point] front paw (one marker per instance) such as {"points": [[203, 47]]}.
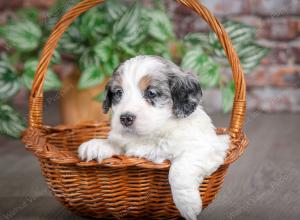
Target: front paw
{"points": [[158, 160], [95, 149]]}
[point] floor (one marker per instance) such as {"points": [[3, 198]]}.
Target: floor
{"points": [[263, 184]]}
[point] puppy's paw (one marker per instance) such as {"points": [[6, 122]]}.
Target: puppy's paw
{"points": [[188, 204], [96, 149], [158, 160]]}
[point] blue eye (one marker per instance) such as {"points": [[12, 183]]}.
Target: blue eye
{"points": [[150, 94]]}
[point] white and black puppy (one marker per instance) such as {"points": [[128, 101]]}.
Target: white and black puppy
{"points": [[156, 114]]}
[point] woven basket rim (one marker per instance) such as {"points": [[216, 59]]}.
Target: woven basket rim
{"points": [[37, 143]]}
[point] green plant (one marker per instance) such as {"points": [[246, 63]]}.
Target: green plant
{"points": [[102, 38], [206, 57], [111, 33], [24, 37]]}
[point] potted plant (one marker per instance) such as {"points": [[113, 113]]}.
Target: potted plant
{"points": [[98, 41]]}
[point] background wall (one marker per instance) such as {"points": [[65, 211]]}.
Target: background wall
{"points": [[275, 85]]}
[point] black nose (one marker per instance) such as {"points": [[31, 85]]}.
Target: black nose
{"points": [[127, 119]]}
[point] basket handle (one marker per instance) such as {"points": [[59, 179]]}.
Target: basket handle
{"points": [[36, 97]]}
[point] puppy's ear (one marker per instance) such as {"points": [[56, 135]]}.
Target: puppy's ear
{"points": [[106, 105], [186, 93]]}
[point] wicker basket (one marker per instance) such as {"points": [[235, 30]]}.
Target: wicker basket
{"points": [[119, 187]]}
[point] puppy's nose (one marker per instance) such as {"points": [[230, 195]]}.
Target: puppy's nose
{"points": [[127, 119]]}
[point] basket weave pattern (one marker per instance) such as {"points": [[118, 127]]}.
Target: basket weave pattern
{"points": [[120, 187]]}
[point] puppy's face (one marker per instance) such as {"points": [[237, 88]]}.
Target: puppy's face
{"points": [[146, 92]]}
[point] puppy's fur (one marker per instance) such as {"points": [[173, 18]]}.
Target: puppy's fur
{"points": [[166, 122]]}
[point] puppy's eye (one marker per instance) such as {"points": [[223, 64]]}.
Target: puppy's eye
{"points": [[118, 93], [150, 94]]}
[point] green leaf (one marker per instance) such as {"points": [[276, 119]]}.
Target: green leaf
{"points": [[203, 66], [90, 77], [56, 58], [115, 9], [93, 24], [72, 41], [196, 39], [160, 26], [127, 49], [127, 29], [2, 31], [89, 58], [108, 67], [31, 14], [9, 81], [160, 5], [11, 123], [228, 96], [102, 56], [24, 36], [243, 38], [155, 48], [115, 60], [60, 8], [104, 49], [251, 56], [52, 81], [239, 33]]}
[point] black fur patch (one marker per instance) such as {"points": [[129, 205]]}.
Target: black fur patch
{"points": [[110, 88], [107, 103], [186, 94]]}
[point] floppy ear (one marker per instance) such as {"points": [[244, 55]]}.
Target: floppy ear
{"points": [[106, 105], [186, 93]]}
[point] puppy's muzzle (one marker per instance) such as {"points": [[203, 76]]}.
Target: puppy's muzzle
{"points": [[127, 119]]}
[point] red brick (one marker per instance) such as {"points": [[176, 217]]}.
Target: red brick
{"points": [[275, 8], [15, 4], [39, 3], [283, 29], [275, 76], [295, 50], [277, 56], [2, 4], [280, 53], [227, 7], [249, 20], [184, 21], [265, 8]]}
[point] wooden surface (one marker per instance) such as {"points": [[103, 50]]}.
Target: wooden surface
{"points": [[263, 184]]}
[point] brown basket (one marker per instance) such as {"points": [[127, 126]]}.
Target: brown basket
{"points": [[119, 187]]}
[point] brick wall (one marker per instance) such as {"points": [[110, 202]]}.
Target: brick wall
{"points": [[275, 85]]}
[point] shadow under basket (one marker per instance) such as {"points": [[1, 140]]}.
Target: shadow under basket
{"points": [[120, 187]]}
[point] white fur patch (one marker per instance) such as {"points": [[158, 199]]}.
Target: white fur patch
{"points": [[97, 149]]}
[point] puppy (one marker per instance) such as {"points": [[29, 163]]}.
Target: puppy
{"points": [[157, 115]]}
